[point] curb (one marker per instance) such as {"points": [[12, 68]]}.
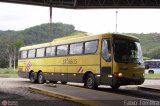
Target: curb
{"points": [[65, 97], [152, 78], [148, 89]]}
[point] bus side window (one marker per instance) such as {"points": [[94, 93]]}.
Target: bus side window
{"points": [[76, 48], [23, 54], [62, 50], [40, 52], [91, 47], [50, 51], [106, 49], [158, 63], [31, 53]]}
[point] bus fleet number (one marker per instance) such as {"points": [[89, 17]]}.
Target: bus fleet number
{"points": [[70, 61]]}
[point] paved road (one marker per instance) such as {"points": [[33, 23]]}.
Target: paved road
{"points": [[130, 91], [14, 91], [152, 82]]}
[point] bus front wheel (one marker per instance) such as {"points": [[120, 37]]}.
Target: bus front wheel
{"points": [[115, 87], [91, 82], [63, 82], [54, 82], [41, 79], [32, 77]]}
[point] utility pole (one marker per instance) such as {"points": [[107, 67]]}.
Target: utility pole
{"points": [[116, 21], [50, 20]]}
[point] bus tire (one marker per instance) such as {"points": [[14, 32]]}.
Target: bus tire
{"points": [[115, 87], [63, 82], [32, 77], [151, 72], [41, 79], [91, 82], [54, 82]]}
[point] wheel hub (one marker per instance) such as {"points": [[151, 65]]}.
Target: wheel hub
{"points": [[90, 81]]}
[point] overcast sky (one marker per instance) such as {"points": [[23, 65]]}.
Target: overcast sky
{"points": [[19, 17]]}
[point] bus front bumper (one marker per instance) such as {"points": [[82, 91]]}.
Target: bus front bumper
{"points": [[127, 81]]}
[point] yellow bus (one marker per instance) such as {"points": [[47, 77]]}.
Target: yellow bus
{"points": [[106, 59]]}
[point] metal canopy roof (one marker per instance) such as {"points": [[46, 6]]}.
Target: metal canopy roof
{"points": [[91, 4]]}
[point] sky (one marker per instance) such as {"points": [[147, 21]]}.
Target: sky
{"points": [[95, 21]]}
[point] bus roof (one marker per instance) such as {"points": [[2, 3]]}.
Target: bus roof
{"points": [[81, 38], [126, 36], [76, 35], [34, 46], [85, 38]]}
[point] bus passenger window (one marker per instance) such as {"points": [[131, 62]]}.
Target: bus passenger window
{"points": [[158, 63], [50, 51], [106, 50], [40, 52], [91, 47], [76, 48], [23, 54], [31, 53], [62, 50]]}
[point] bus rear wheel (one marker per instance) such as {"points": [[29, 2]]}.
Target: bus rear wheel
{"points": [[41, 79], [32, 77], [91, 82]]}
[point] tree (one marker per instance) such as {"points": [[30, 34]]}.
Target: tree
{"points": [[11, 41], [12, 48], [16, 47]]}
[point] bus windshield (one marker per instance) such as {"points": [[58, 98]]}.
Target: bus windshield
{"points": [[127, 51]]}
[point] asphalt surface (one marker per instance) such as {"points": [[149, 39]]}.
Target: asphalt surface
{"points": [[104, 95], [15, 91]]}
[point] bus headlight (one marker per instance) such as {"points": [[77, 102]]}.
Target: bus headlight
{"points": [[120, 74], [98, 75]]}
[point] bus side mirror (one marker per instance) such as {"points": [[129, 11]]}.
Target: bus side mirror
{"points": [[146, 66]]}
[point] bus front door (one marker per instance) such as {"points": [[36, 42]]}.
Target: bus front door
{"points": [[106, 62]]}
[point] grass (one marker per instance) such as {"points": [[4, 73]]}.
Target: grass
{"points": [[6, 72], [152, 76]]}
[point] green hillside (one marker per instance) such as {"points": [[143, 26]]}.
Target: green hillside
{"points": [[150, 44], [11, 41]]}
